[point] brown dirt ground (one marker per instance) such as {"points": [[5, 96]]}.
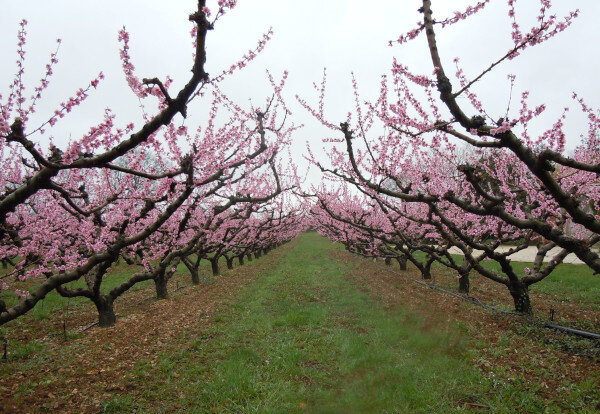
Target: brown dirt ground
{"points": [[534, 356], [79, 314], [77, 376]]}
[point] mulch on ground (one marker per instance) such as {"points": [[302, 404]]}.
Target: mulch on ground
{"points": [[80, 374], [77, 376]]}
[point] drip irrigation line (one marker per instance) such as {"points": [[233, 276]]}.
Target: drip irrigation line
{"points": [[475, 301], [572, 331], [89, 326]]}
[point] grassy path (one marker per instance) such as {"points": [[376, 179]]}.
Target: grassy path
{"points": [[303, 339], [307, 329]]}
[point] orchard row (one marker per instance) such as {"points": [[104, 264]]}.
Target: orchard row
{"points": [[153, 195], [426, 167]]}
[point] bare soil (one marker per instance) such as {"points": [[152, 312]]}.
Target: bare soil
{"points": [[78, 375]]}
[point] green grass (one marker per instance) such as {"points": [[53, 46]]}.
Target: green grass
{"points": [[25, 350], [118, 405], [303, 339]]}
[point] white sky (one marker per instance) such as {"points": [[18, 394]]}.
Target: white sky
{"points": [[343, 36]]}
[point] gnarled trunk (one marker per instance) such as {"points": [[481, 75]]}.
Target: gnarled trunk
{"points": [[249, 257], [426, 269], [229, 261], [160, 283], [106, 312], [214, 265], [464, 285], [193, 271], [241, 260], [426, 272], [402, 262], [520, 294], [195, 276]]}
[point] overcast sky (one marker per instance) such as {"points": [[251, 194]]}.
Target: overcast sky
{"points": [[342, 35]]}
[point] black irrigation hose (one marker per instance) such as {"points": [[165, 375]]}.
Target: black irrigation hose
{"points": [[475, 301], [572, 331]]}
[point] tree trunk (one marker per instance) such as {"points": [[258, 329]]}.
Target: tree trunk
{"points": [[426, 272], [229, 261], [160, 283], [241, 260], [106, 312], [388, 261], [520, 294], [195, 276], [257, 255], [464, 284], [193, 271], [214, 264], [249, 257], [402, 262]]}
